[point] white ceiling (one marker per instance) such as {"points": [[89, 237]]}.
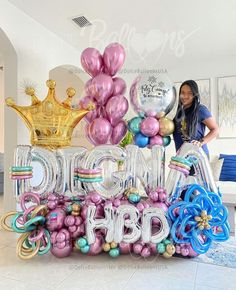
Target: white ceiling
{"points": [[152, 31]]}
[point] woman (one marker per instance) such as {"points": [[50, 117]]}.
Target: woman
{"points": [[192, 118]]}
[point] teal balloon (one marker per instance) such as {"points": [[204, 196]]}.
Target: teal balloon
{"points": [[141, 114], [81, 242], [161, 248], [85, 249], [134, 125], [134, 198], [114, 253], [166, 140]]}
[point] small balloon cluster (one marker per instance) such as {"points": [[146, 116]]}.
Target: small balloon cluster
{"points": [[150, 131], [105, 95], [152, 97]]}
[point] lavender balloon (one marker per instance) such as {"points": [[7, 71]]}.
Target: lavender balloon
{"points": [[100, 131], [113, 58], [116, 108], [92, 61]]}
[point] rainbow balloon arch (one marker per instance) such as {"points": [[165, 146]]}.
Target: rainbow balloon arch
{"points": [[80, 205], [110, 198]]}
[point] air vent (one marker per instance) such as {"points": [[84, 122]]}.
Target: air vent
{"points": [[82, 21]]}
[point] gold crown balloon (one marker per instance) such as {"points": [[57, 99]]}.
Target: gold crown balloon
{"points": [[51, 123]]}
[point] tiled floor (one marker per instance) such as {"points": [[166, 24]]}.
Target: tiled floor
{"points": [[101, 272]]}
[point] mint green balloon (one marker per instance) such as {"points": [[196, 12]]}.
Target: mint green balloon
{"points": [[161, 248], [134, 198], [167, 242], [81, 242], [134, 125], [114, 253], [85, 249]]}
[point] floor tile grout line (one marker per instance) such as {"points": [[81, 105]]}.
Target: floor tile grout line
{"points": [[55, 286], [195, 278], [127, 281]]}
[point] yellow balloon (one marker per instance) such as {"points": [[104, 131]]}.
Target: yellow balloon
{"points": [[166, 126], [51, 123]]}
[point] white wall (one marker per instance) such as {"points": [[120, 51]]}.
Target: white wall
{"points": [[38, 50], [1, 107], [222, 66], [65, 78]]}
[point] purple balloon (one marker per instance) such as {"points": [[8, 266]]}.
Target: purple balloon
{"points": [[118, 132], [119, 86], [113, 58], [100, 131], [149, 127], [84, 103], [101, 88], [92, 61], [116, 108], [156, 140]]}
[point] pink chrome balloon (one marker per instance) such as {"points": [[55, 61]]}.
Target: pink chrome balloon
{"points": [[100, 131], [92, 61], [116, 108], [101, 88], [119, 86], [84, 103], [113, 58], [118, 132], [156, 140], [149, 126]]}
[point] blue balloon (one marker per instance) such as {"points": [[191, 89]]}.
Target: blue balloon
{"points": [[140, 140]]}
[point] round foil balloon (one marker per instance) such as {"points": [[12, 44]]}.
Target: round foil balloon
{"points": [[152, 94]]}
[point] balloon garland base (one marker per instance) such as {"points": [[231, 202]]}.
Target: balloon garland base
{"points": [[126, 225]]}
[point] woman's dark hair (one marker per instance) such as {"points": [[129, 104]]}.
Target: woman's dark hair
{"points": [[190, 114]]}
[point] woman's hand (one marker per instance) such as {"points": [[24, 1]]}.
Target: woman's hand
{"points": [[198, 143]]}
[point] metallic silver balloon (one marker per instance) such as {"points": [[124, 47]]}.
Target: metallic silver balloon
{"points": [[148, 214], [68, 160], [202, 166], [48, 161], [92, 223], [114, 183], [153, 94], [26, 156], [146, 174], [136, 164], [22, 158], [157, 167], [127, 216], [203, 174]]}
